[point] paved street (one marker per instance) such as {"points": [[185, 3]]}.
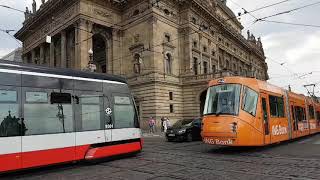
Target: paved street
{"points": [[163, 160]]}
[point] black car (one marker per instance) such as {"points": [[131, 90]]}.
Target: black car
{"points": [[185, 130]]}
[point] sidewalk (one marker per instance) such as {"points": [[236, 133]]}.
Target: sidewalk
{"points": [[156, 134]]}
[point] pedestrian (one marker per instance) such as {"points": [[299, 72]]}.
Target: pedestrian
{"points": [[166, 124], [151, 123], [163, 119]]}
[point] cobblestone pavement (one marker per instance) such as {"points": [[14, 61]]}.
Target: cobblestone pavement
{"points": [[161, 160]]}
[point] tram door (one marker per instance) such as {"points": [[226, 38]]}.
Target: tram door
{"points": [[294, 119], [265, 115]]}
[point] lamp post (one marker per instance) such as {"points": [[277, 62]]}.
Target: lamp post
{"points": [[91, 66]]}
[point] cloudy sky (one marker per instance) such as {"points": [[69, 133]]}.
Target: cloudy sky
{"points": [[293, 52]]}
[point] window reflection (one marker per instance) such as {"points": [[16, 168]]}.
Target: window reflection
{"points": [[91, 109], [41, 117], [10, 124], [124, 113]]}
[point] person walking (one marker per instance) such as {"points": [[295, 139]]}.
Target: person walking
{"points": [[163, 119], [166, 124], [151, 123]]}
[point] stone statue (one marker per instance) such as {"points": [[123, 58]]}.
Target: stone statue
{"points": [[248, 33], [34, 6], [43, 2], [26, 13]]}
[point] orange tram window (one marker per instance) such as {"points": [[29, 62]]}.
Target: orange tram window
{"points": [[248, 112]]}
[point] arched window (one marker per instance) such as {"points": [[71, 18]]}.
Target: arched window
{"points": [[168, 63]]}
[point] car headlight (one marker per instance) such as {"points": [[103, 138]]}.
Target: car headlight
{"points": [[182, 131]]}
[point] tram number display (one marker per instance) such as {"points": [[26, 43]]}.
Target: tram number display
{"points": [[109, 126], [218, 141], [278, 130]]}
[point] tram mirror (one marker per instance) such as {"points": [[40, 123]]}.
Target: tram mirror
{"points": [[60, 98]]}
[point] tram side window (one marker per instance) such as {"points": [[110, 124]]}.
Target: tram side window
{"points": [[91, 112], [311, 112], [276, 106], [10, 124], [300, 113], [318, 116], [124, 112], [250, 100], [45, 113]]}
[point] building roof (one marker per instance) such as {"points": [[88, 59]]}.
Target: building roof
{"points": [[230, 13]]}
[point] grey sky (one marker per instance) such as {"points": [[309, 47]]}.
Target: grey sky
{"points": [[297, 47]]}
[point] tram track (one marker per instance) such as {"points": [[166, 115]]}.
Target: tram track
{"points": [[242, 159]]}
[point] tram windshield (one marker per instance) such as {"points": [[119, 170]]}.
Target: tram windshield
{"points": [[223, 100]]}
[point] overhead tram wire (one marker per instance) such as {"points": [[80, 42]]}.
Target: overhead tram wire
{"points": [[271, 5], [8, 7], [288, 11], [8, 33], [293, 24]]}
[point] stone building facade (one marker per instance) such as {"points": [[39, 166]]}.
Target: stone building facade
{"points": [[167, 49]]}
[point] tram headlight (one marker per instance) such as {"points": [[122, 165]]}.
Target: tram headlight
{"points": [[234, 127]]}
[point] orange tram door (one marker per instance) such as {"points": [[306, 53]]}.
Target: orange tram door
{"points": [[248, 112]]}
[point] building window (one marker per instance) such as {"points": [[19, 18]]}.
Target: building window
{"points": [[205, 67], [213, 53], [171, 108], [136, 12], [205, 49], [220, 39], [167, 38], [195, 44], [168, 63], [171, 96], [195, 65], [194, 20], [166, 12], [213, 68]]}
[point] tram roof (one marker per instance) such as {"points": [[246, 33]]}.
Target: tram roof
{"points": [[59, 71]]}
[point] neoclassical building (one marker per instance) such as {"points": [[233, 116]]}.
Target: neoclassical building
{"points": [[167, 49]]}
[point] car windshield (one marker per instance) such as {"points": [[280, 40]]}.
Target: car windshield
{"points": [[223, 99], [181, 123]]}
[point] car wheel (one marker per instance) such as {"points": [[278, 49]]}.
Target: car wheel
{"points": [[189, 137]]}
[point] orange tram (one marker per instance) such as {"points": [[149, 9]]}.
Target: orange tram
{"points": [[249, 112]]}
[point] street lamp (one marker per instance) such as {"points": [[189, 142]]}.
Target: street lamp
{"points": [[91, 66]]}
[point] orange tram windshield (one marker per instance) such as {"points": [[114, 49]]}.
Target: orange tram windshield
{"points": [[249, 112]]}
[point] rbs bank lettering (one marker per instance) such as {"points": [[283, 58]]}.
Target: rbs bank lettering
{"points": [[278, 130]]}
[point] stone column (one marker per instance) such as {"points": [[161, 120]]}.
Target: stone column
{"points": [[63, 49], [42, 54], [25, 58], [83, 42], [115, 62], [33, 56], [51, 54]]}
